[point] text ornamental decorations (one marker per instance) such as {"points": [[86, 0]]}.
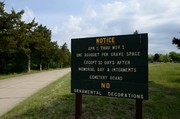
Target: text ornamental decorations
{"points": [[114, 66]]}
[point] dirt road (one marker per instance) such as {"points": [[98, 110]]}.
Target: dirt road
{"points": [[15, 90]]}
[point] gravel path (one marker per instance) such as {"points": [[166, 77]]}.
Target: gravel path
{"points": [[15, 90]]}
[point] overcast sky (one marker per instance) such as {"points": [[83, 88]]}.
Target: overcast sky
{"points": [[86, 18]]}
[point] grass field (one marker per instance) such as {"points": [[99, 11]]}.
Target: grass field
{"points": [[56, 101]]}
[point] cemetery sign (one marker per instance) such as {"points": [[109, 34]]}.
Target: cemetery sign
{"points": [[114, 66]]}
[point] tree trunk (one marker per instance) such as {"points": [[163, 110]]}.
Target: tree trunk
{"points": [[48, 66], [40, 67], [29, 63]]}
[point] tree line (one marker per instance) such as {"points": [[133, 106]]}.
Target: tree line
{"points": [[171, 57], [25, 46]]}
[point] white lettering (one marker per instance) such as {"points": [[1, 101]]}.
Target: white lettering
{"points": [[133, 53], [109, 62], [91, 54], [125, 95], [116, 78], [123, 62], [90, 92], [117, 54], [101, 77], [91, 48], [105, 47], [116, 47], [79, 55], [100, 69], [123, 70], [104, 54], [86, 69], [91, 62]]}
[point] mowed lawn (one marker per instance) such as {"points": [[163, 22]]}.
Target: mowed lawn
{"points": [[56, 102]]}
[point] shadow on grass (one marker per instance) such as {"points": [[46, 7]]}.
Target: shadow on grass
{"points": [[175, 80], [164, 103], [58, 108]]}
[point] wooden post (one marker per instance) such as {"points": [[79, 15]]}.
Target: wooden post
{"points": [[78, 110], [139, 108]]}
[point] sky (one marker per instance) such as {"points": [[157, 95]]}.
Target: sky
{"points": [[69, 19]]}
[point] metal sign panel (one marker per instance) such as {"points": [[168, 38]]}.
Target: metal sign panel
{"points": [[114, 66]]}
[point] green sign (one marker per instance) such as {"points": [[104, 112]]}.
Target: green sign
{"points": [[114, 66]]}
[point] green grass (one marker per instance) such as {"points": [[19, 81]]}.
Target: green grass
{"points": [[164, 91], [12, 75], [56, 102], [6, 76]]}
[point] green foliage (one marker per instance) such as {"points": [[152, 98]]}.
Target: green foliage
{"points": [[156, 57], [175, 56], [164, 58], [12, 75], [176, 41], [23, 45], [65, 55], [171, 57], [151, 58], [9, 24]]}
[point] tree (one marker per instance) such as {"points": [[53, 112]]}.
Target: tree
{"points": [[151, 58], [167, 58], [9, 23], [65, 55], [25, 39], [17, 33], [174, 56], [161, 58], [136, 32], [23, 45], [176, 41], [42, 44], [55, 57], [156, 57], [164, 58]]}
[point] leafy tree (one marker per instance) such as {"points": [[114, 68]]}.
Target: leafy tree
{"points": [[23, 45], [161, 57], [55, 58], [174, 56], [167, 58], [136, 32], [176, 41], [16, 35], [9, 23], [151, 58], [65, 55], [42, 44], [25, 39], [164, 58], [156, 57]]}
